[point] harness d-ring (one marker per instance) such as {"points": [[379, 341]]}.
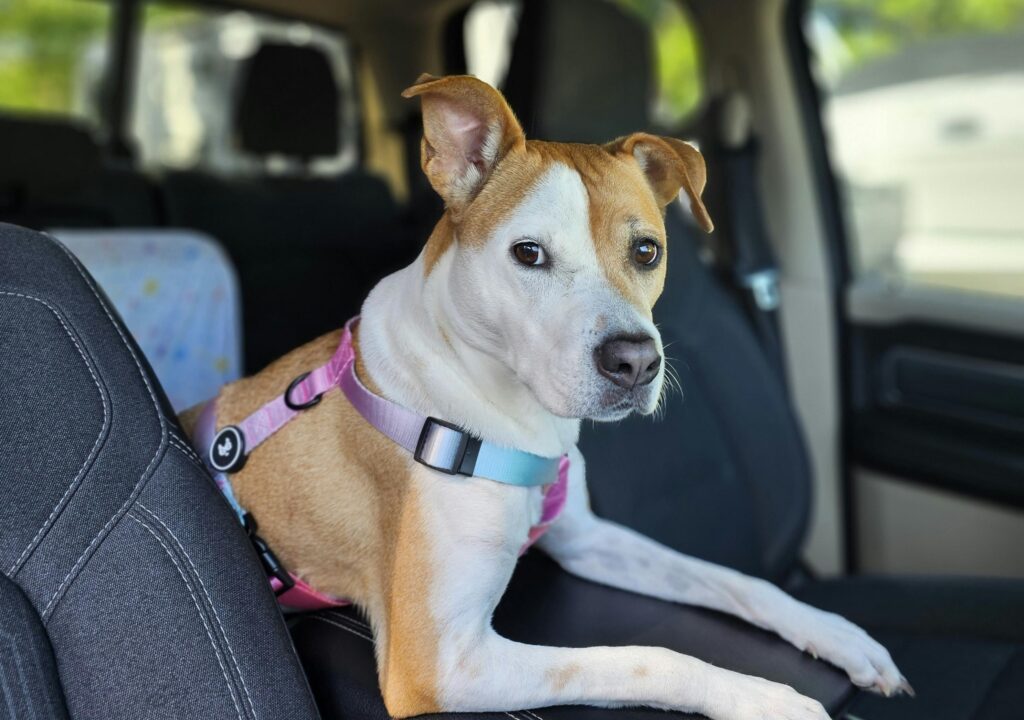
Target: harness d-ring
{"points": [[300, 406]]}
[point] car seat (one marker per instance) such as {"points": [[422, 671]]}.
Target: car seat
{"points": [[127, 587]]}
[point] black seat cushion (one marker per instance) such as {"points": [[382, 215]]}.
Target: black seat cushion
{"points": [[545, 605], [960, 642], [153, 600]]}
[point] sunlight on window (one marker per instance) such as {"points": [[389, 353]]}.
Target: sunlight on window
{"points": [[679, 86], [489, 30], [925, 118], [52, 56]]}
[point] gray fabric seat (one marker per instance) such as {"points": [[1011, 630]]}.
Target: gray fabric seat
{"points": [[119, 552]]}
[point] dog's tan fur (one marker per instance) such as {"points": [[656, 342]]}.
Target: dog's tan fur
{"points": [[332, 497]]}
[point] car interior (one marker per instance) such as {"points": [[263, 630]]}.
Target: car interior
{"points": [[223, 181]]}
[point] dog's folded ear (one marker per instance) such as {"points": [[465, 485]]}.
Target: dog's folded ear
{"points": [[670, 165], [467, 128]]}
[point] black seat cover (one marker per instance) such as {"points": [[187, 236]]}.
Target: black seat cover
{"points": [[120, 544]]}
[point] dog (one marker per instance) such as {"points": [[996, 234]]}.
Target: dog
{"points": [[528, 309]]}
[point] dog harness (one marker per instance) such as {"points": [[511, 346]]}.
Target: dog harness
{"points": [[437, 444]]}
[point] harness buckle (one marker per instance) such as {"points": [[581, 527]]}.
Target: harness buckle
{"points": [[271, 565], [447, 448]]}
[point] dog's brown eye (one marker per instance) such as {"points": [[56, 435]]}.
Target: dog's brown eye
{"points": [[646, 252], [529, 253]]}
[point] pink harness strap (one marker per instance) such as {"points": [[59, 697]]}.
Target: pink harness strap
{"points": [[403, 426]]}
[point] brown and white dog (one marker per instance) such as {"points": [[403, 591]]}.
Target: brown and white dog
{"points": [[547, 255]]}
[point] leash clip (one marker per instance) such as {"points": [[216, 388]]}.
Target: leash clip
{"points": [[271, 565], [447, 448]]}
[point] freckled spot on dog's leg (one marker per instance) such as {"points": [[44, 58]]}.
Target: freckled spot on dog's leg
{"points": [[640, 671], [560, 677]]}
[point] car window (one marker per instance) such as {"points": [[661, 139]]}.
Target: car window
{"points": [[679, 83], [924, 113], [53, 55], [488, 33], [191, 60], [490, 30]]}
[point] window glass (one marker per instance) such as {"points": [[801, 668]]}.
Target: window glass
{"points": [[190, 64], [53, 55], [924, 112], [488, 34], [679, 85]]}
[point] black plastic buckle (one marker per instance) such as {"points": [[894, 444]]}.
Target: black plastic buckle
{"points": [[271, 565], [291, 388], [446, 447]]}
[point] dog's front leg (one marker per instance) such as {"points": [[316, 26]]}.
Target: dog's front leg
{"points": [[436, 650], [610, 554], [485, 672]]}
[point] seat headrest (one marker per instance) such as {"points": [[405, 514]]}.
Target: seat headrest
{"points": [[46, 154], [581, 70], [288, 103]]}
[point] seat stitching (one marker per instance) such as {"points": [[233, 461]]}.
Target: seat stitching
{"points": [[349, 621], [14, 652], [76, 568], [195, 600], [206, 592], [346, 628], [532, 714], [92, 453], [337, 614], [187, 452]]}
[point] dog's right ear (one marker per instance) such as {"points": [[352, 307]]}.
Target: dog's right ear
{"points": [[467, 128]]}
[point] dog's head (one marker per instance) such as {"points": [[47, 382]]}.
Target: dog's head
{"points": [[553, 254]]}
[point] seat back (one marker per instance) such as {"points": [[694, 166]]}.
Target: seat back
{"points": [[307, 248], [54, 173], [723, 474], [177, 293], [152, 599]]}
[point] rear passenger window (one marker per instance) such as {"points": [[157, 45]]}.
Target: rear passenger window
{"points": [[190, 68], [53, 55], [924, 112]]}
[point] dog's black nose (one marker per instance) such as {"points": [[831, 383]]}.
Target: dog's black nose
{"points": [[628, 360]]}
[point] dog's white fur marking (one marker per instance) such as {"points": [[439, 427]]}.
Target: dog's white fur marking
{"points": [[456, 343]]}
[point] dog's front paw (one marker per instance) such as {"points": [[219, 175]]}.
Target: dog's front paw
{"points": [[745, 697], [835, 639]]}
